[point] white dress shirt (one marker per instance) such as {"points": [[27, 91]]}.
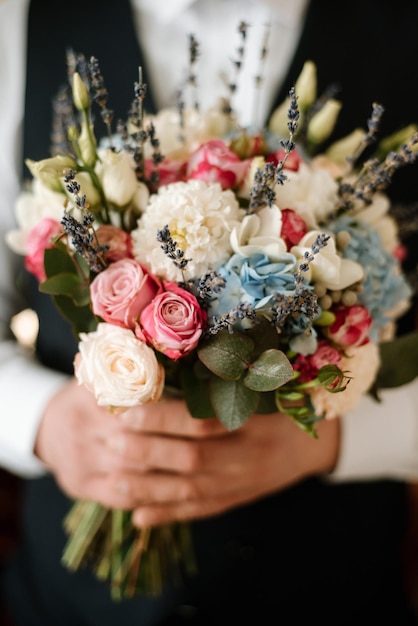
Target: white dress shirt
{"points": [[378, 440]]}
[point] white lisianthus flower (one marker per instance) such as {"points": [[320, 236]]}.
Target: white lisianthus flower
{"points": [[328, 267], [361, 363], [117, 175], [200, 217], [119, 369], [376, 214], [140, 198], [31, 208], [310, 191], [260, 232]]}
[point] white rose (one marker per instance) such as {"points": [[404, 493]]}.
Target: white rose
{"points": [[116, 173], [197, 129], [328, 267], [118, 368], [260, 232], [311, 191]]}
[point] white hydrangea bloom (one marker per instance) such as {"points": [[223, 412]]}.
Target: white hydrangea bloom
{"points": [[200, 217]]}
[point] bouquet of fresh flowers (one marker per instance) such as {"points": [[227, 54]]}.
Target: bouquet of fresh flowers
{"points": [[242, 269]]}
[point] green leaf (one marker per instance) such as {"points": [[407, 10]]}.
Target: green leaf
{"points": [[227, 354], [264, 335], [81, 317], [399, 361], [196, 393], [67, 285], [271, 370], [58, 261], [233, 402]]}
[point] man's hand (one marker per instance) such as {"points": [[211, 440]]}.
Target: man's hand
{"points": [[166, 465]]}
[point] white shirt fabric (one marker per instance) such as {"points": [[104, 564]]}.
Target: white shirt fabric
{"points": [[379, 440]]}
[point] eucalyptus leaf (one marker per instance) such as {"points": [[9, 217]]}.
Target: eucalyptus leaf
{"points": [[227, 354], [67, 285], [196, 393], [271, 370], [58, 261], [81, 318], [233, 402]]}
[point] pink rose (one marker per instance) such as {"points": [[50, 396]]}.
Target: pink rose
{"points": [[168, 171], [119, 242], [214, 162], [309, 365], [172, 322], [122, 291], [38, 240], [351, 325], [293, 227]]}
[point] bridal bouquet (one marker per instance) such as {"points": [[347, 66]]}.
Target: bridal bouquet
{"points": [[243, 269]]}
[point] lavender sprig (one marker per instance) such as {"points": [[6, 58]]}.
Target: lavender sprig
{"points": [[83, 237], [100, 93], [265, 180], [170, 249], [242, 311]]}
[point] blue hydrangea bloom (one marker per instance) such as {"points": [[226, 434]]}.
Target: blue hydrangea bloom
{"points": [[383, 287]]}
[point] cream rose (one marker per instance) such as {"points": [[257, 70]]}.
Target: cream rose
{"points": [[120, 370]]}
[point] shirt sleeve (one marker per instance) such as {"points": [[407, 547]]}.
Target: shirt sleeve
{"points": [[26, 387], [379, 440]]}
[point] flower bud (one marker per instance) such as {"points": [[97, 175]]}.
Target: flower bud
{"points": [[322, 123], [340, 150], [50, 172], [396, 140], [305, 86], [81, 96], [279, 119], [246, 146], [87, 144]]}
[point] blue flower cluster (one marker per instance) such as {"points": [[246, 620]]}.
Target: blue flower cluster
{"points": [[384, 287]]}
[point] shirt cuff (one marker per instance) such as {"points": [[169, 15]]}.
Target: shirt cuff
{"points": [[26, 387], [379, 440]]}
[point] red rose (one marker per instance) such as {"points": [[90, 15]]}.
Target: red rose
{"points": [[351, 326], [293, 227]]}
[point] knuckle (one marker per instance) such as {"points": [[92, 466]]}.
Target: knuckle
{"points": [[189, 490], [192, 459]]}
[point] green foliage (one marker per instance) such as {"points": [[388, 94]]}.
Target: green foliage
{"points": [[399, 362], [239, 369], [67, 283]]}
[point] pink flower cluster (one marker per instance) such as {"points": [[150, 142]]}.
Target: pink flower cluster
{"points": [[349, 329], [161, 314]]}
